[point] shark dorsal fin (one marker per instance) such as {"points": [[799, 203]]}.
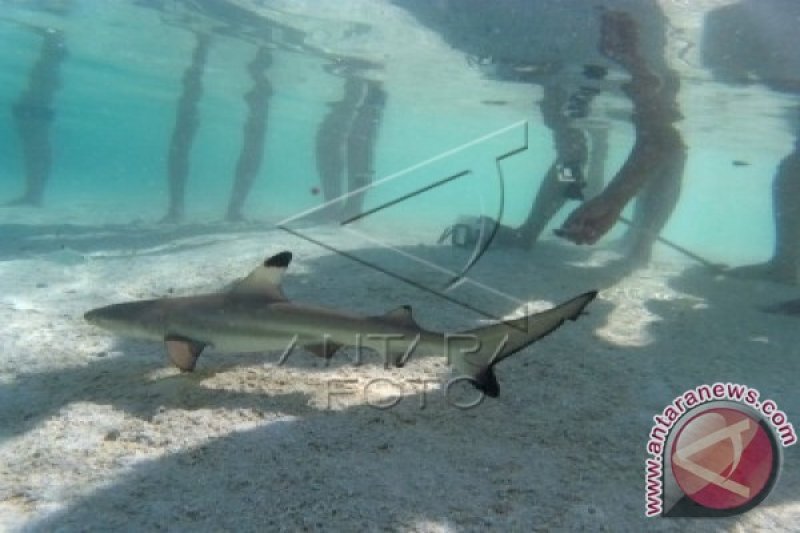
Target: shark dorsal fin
{"points": [[401, 316], [265, 280]]}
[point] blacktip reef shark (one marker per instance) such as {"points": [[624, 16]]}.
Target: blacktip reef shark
{"points": [[253, 315]]}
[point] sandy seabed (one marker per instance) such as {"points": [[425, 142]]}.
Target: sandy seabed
{"points": [[98, 433]]}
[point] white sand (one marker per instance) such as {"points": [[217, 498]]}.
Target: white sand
{"points": [[98, 433], [101, 434]]}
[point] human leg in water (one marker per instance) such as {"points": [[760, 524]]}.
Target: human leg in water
{"points": [[564, 179], [255, 128], [658, 155], [183, 133], [331, 141], [361, 146], [33, 116], [784, 266]]}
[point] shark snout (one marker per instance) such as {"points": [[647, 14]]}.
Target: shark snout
{"points": [[92, 316], [136, 319], [102, 317]]}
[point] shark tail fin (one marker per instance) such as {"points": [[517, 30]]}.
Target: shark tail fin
{"points": [[475, 360]]}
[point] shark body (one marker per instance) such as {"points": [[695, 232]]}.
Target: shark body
{"points": [[254, 315]]}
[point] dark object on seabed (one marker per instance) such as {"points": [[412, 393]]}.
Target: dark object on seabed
{"points": [[740, 163], [792, 307], [595, 72], [467, 231], [479, 232]]}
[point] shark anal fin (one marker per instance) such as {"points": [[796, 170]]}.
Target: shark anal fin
{"points": [[401, 316], [265, 280], [183, 352], [323, 349]]}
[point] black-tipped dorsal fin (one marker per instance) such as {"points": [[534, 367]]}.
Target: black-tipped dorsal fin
{"points": [[401, 316], [265, 280]]}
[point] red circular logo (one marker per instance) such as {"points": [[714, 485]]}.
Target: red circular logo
{"points": [[723, 458]]}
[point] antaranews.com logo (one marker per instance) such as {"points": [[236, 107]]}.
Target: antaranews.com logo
{"points": [[714, 451]]}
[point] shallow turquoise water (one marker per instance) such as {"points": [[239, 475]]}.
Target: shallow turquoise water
{"points": [[116, 109]]}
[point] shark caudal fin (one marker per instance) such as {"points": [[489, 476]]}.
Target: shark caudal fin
{"points": [[482, 348]]}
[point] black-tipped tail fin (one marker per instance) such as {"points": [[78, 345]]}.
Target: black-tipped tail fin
{"points": [[492, 344]]}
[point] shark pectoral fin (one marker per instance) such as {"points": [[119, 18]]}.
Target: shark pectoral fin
{"points": [[402, 316], [323, 349], [183, 352], [265, 280]]}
